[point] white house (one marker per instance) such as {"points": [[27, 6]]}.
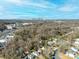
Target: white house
{"points": [[76, 43], [27, 23], [9, 38], [71, 52], [10, 26], [70, 55], [74, 49], [75, 28], [3, 43]]}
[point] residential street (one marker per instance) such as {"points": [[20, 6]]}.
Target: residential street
{"points": [[57, 55]]}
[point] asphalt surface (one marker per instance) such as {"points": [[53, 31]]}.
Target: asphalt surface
{"points": [[56, 55]]}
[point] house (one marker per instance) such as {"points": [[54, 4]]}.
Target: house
{"points": [[76, 43], [10, 26], [70, 55], [72, 52], [74, 49], [8, 38], [2, 43], [27, 23], [32, 55], [35, 53], [75, 28], [52, 42]]}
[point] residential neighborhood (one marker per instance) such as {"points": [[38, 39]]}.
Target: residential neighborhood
{"points": [[58, 45], [39, 29]]}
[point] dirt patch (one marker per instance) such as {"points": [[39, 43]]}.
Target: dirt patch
{"points": [[63, 56], [41, 57]]}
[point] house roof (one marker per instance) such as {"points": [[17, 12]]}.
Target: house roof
{"points": [[2, 41], [74, 49]]}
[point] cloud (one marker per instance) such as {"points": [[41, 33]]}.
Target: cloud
{"points": [[32, 4], [17, 2], [68, 8], [10, 16], [1, 8], [37, 8], [42, 4]]}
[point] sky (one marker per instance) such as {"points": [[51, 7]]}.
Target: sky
{"points": [[47, 9]]}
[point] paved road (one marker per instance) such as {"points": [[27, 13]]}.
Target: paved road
{"points": [[56, 55]]}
